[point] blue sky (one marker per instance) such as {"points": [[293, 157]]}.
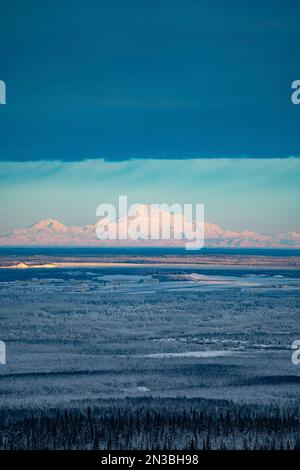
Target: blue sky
{"points": [[119, 79], [149, 99], [238, 194]]}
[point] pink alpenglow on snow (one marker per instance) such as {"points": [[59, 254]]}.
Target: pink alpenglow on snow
{"points": [[51, 232]]}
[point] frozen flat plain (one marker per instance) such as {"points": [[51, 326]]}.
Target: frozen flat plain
{"points": [[81, 335]]}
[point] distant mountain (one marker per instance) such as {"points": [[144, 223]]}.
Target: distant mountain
{"points": [[49, 225], [52, 232]]}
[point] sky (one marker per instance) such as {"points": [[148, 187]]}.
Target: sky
{"points": [[119, 79], [260, 195], [166, 101]]}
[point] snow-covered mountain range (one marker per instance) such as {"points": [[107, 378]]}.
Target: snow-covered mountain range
{"points": [[52, 232]]}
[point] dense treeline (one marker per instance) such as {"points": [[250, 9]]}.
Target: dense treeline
{"points": [[153, 424]]}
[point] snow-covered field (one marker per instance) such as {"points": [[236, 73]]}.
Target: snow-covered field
{"points": [[78, 336]]}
